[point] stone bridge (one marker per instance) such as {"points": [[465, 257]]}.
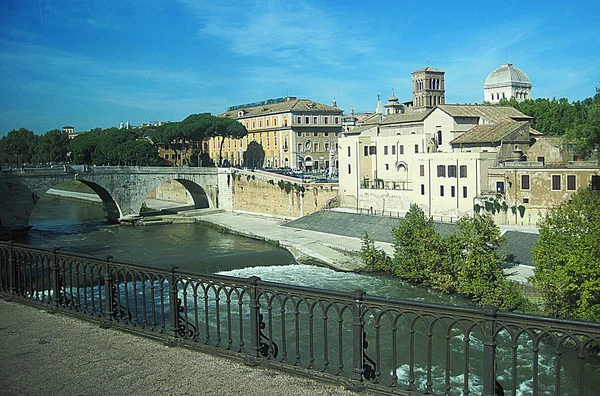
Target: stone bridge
{"points": [[122, 189]]}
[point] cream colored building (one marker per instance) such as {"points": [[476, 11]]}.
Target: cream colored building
{"points": [[294, 133], [437, 156]]}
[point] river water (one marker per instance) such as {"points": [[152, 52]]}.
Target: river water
{"points": [[81, 227]]}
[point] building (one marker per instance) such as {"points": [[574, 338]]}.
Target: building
{"points": [[536, 187], [293, 133], [432, 154], [506, 82]]}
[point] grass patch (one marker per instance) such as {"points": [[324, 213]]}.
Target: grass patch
{"points": [[74, 186]]}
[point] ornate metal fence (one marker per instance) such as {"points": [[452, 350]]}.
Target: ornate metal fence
{"points": [[369, 342]]}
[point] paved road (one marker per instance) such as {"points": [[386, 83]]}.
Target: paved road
{"points": [[55, 354]]}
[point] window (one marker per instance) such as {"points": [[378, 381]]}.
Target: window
{"points": [[300, 147], [366, 149], [299, 134], [274, 121], [267, 122], [464, 191], [348, 151], [571, 182], [326, 120], [299, 120], [316, 147], [441, 191], [595, 183], [166, 156], [315, 120], [385, 150], [525, 182], [326, 146], [422, 170], [463, 171], [422, 189], [452, 191], [401, 149], [315, 134], [451, 170], [556, 182], [387, 166], [500, 187], [307, 120], [372, 150], [349, 169], [441, 171], [337, 120], [268, 142], [439, 138], [394, 150], [416, 148], [540, 159]]}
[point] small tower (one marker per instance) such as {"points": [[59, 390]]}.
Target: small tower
{"points": [[379, 109], [428, 88], [393, 106]]}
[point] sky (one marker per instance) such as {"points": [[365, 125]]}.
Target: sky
{"points": [[95, 63]]}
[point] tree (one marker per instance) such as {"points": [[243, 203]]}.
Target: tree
{"points": [[418, 247], [139, 153], [254, 156], [53, 146], [172, 135], [375, 259], [567, 258], [228, 127], [18, 146]]}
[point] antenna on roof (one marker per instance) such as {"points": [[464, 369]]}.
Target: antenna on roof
{"points": [[506, 56]]}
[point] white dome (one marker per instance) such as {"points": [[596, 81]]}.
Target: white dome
{"points": [[505, 76]]}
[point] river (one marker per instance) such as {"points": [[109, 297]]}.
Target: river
{"points": [[81, 227]]}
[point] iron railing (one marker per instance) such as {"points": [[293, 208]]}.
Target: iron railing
{"points": [[382, 344]]}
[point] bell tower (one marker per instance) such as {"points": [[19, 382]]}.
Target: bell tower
{"points": [[428, 88]]}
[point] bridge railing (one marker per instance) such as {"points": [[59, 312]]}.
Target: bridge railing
{"points": [[377, 343]]}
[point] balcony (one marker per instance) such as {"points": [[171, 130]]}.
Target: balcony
{"points": [[383, 184]]}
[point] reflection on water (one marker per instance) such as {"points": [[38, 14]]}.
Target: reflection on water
{"points": [[81, 227]]}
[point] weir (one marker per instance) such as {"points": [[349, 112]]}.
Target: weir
{"points": [[377, 343]]}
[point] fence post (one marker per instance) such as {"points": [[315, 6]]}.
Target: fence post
{"points": [[12, 269], [173, 305], [57, 282], [358, 329], [253, 359], [108, 295], [489, 350]]}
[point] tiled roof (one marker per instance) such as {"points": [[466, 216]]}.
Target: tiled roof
{"points": [[431, 69], [416, 116], [297, 106], [359, 129], [489, 133], [486, 112]]}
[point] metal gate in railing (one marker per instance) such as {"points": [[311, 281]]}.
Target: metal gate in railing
{"points": [[364, 341]]}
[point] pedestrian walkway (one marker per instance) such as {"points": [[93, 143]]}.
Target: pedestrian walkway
{"points": [[55, 354]]}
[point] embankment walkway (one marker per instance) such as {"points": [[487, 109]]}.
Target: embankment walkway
{"points": [[54, 354]]}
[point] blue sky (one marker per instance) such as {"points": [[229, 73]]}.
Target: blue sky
{"points": [[94, 63]]}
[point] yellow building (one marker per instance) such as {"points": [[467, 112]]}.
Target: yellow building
{"points": [[293, 133]]}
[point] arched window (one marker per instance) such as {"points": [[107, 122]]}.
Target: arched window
{"points": [[439, 138]]}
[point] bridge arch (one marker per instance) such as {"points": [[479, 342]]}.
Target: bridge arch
{"points": [[111, 207]]}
